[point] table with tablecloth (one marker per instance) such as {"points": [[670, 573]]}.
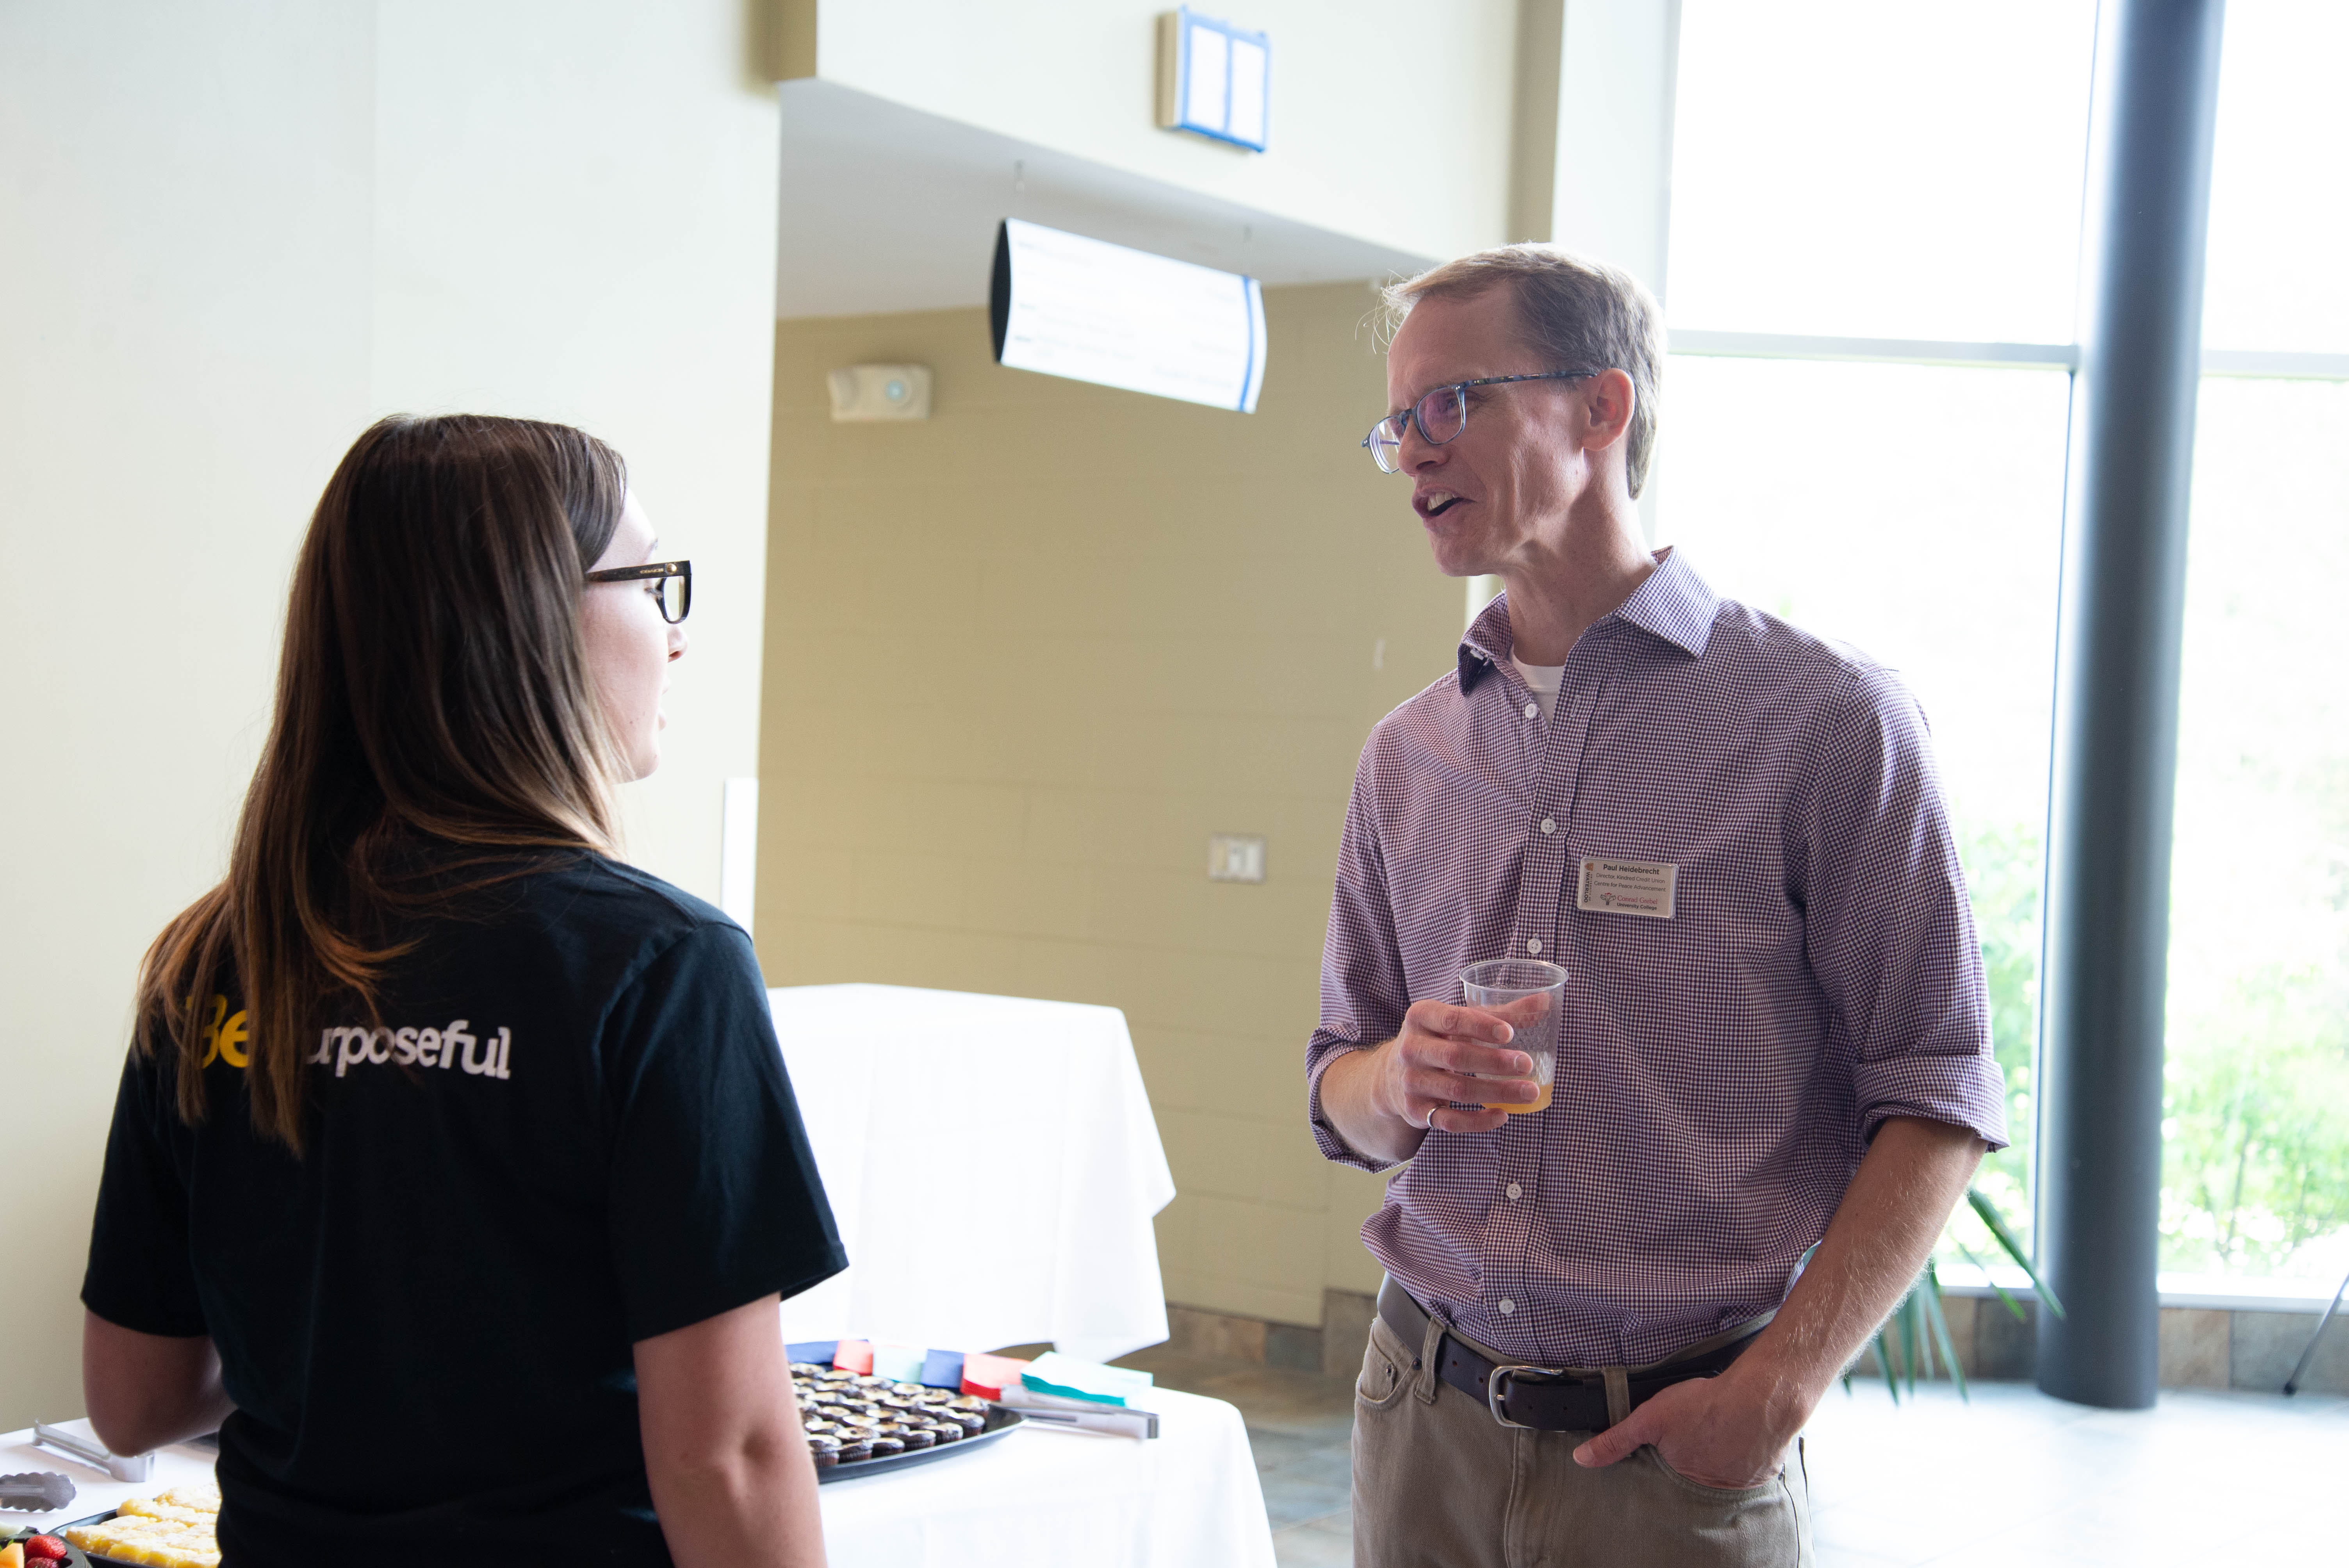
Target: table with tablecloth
{"points": [[1189, 1498], [994, 1166]]}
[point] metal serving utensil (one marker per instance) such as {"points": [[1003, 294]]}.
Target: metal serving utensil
{"points": [[35, 1492], [91, 1451]]}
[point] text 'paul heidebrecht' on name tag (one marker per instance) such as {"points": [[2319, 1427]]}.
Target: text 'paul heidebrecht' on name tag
{"points": [[1627, 887]]}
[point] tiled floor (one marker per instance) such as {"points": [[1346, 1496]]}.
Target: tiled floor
{"points": [[2013, 1476], [2019, 1478]]}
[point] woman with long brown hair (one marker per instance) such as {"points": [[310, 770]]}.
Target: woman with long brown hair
{"points": [[454, 1174]]}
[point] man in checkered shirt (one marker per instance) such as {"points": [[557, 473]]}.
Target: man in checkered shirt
{"points": [[1592, 1346]]}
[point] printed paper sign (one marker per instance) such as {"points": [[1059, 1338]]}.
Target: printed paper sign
{"points": [[1627, 887]]}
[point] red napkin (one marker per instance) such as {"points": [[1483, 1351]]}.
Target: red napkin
{"points": [[987, 1376]]}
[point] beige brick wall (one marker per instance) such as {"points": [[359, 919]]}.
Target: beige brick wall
{"points": [[1024, 658]]}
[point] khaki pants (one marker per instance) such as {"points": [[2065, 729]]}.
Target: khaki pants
{"points": [[1438, 1483]]}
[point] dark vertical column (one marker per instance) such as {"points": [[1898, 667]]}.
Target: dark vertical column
{"points": [[2116, 740]]}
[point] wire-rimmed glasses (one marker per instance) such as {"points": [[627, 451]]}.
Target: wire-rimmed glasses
{"points": [[1441, 416], [671, 583]]}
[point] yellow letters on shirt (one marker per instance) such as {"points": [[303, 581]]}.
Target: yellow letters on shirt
{"points": [[225, 1036]]}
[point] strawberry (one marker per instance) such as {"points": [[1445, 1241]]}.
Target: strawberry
{"points": [[44, 1548]]}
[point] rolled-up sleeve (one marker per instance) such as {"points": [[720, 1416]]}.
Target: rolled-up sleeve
{"points": [[1364, 993], [1888, 929]]}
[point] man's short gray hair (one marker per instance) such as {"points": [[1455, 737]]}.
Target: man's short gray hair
{"points": [[1580, 313]]}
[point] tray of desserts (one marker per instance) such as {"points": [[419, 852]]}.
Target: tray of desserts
{"points": [[858, 1424], [175, 1529]]}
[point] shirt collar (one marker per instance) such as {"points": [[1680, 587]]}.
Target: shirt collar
{"points": [[1674, 604]]}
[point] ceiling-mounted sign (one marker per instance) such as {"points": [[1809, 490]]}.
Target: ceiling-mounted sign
{"points": [[1213, 79], [1062, 304]]}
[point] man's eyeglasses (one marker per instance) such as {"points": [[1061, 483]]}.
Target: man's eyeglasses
{"points": [[671, 583], [1441, 415]]}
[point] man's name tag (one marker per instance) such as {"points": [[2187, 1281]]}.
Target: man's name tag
{"points": [[1627, 887]]}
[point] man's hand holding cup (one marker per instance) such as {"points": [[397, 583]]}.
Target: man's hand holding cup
{"points": [[1449, 1054]]}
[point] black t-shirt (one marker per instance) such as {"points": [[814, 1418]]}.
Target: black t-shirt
{"points": [[574, 1132]]}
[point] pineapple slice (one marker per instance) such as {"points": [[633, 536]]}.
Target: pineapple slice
{"points": [[104, 1538], [176, 1530], [162, 1548], [193, 1549], [126, 1536]]}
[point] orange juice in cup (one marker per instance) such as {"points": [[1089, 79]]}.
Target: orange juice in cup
{"points": [[1497, 983]]}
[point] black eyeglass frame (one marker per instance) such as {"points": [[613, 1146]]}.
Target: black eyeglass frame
{"points": [[647, 572], [1459, 390]]}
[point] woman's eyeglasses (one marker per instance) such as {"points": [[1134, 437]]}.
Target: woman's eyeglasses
{"points": [[671, 583]]}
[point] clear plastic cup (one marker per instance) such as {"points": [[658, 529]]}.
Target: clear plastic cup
{"points": [[1498, 982]]}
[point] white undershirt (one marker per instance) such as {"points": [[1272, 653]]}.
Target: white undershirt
{"points": [[1543, 679]]}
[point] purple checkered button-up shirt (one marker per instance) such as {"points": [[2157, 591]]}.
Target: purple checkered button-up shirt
{"points": [[1719, 1073]]}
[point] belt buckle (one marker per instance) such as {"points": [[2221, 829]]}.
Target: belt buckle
{"points": [[1496, 1388]]}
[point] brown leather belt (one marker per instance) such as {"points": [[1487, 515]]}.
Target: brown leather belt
{"points": [[1555, 1398]]}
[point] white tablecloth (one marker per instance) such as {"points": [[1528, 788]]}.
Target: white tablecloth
{"points": [[1044, 1499], [1035, 1499], [94, 1491], [992, 1162]]}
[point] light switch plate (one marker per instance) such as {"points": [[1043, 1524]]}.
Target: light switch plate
{"points": [[863, 392], [1235, 857]]}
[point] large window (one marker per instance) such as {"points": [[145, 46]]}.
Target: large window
{"points": [[2256, 1169], [1874, 240], [1914, 513], [1854, 168]]}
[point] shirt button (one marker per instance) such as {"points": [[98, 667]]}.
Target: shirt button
{"points": [[1549, 824], [1533, 944], [1508, 1307], [1516, 1192], [1532, 708]]}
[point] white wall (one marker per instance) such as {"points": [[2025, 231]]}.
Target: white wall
{"points": [[1391, 119], [184, 215], [574, 219], [233, 232]]}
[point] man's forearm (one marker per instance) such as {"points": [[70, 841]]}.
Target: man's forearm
{"points": [[1348, 1099], [1901, 1196], [1733, 1430]]}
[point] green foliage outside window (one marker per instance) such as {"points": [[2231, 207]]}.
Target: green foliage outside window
{"points": [[2255, 1178], [2255, 1130], [2002, 874], [2255, 1133]]}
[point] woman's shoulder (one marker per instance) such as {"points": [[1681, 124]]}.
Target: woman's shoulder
{"points": [[596, 920], [569, 886], [630, 891]]}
